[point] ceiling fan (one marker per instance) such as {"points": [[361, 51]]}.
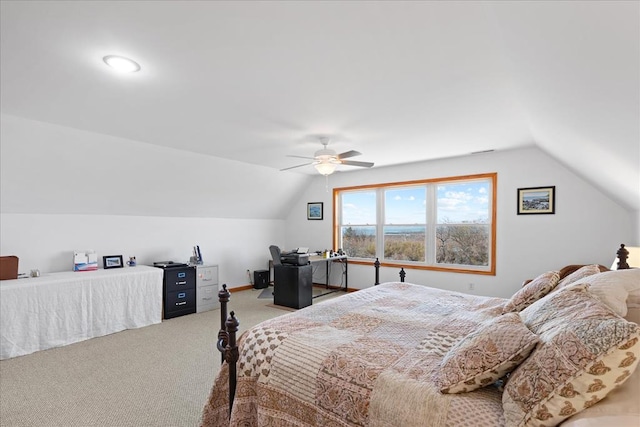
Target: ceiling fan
{"points": [[326, 160]]}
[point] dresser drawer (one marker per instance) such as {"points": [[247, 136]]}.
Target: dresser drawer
{"points": [[207, 275], [207, 298], [180, 302], [179, 279]]}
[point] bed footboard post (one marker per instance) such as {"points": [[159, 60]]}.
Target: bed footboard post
{"points": [[402, 274], [223, 297], [376, 265], [231, 355], [623, 254]]}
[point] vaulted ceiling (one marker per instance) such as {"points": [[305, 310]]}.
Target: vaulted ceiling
{"points": [[398, 81]]}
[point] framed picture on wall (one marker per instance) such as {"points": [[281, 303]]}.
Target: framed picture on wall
{"points": [[536, 200], [314, 210], [112, 261]]}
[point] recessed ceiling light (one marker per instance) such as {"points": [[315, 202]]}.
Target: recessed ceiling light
{"points": [[121, 64]]}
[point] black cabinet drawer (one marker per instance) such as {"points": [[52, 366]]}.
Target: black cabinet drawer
{"points": [[182, 302], [177, 279]]}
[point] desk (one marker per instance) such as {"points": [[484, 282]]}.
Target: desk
{"points": [[342, 259], [63, 308]]}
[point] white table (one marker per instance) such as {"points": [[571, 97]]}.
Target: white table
{"points": [[57, 309], [342, 259]]}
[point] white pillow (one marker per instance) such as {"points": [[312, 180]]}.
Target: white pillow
{"points": [[633, 315], [614, 287]]}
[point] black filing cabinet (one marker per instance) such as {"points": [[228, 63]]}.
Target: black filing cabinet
{"points": [[179, 291], [292, 285]]}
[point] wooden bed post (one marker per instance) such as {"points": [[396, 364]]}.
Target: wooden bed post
{"points": [[377, 267], [402, 274], [623, 254]]}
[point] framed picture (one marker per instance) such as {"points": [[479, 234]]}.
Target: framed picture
{"points": [[536, 200], [112, 261], [314, 210]]}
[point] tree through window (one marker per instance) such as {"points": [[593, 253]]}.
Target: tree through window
{"points": [[445, 224]]}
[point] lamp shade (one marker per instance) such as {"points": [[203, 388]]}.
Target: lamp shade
{"points": [[326, 168]]}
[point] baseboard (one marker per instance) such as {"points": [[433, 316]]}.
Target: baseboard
{"points": [[240, 288], [316, 285]]}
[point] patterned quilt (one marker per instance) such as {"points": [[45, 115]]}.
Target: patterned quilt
{"points": [[364, 359]]}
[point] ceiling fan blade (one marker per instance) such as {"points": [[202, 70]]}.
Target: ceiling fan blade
{"points": [[348, 154], [353, 163], [301, 157], [298, 166]]}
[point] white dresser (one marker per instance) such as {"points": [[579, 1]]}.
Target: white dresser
{"points": [[57, 309], [206, 288]]}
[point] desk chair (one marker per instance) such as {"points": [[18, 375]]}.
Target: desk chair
{"points": [[8, 267], [275, 255]]}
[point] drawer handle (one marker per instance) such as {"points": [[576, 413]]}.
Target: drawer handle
{"points": [[181, 303], [184, 282]]}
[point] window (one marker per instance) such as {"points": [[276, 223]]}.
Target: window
{"points": [[440, 224], [359, 213]]}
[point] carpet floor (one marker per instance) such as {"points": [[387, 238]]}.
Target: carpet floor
{"points": [[267, 293], [156, 376]]}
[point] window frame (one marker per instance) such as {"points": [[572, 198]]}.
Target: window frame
{"points": [[430, 260]]}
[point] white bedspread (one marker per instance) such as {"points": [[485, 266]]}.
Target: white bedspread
{"points": [[63, 308]]}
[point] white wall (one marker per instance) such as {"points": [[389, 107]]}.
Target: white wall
{"points": [[47, 168], [47, 241], [63, 190], [588, 226]]}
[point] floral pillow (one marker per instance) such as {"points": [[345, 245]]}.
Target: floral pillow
{"points": [[532, 291], [586, 350], [582, 272], [486, 355]]}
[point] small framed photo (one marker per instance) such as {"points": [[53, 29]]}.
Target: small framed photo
{"points": [[536, 200], [112, 261], [314, 210]]}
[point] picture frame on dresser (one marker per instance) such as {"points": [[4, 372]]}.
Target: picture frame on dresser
{"points": [[112, 261]]}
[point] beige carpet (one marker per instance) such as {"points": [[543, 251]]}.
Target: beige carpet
{"points": [[159, 375]]}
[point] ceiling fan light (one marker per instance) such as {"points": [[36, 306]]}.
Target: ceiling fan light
{"points": [[326, 168]]}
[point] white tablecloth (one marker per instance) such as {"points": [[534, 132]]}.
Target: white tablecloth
{"points": [[63, 308]]}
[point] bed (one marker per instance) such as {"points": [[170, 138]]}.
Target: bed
{"points": [[402, 354]]}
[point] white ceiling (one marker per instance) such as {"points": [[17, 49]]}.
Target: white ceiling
{"points": [[398, 81]]}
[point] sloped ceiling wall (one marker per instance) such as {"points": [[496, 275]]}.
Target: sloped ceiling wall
{"points": [[401, 82], [581, 93], [50, 169]]}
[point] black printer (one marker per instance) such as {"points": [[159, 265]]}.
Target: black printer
{"points": [[294, 258], [288, 258]]}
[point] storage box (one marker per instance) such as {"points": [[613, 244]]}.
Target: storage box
{"points": [[85, 260]]}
